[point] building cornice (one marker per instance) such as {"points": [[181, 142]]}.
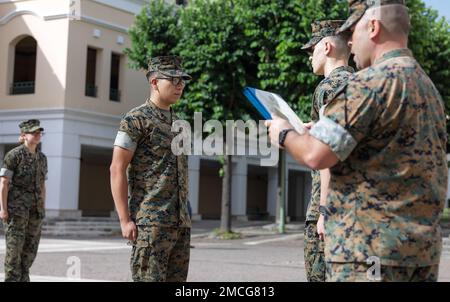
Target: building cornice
{"points": [[138, 4], [83, 18], [10, 1], [102, 23], [61, 113], [5, 19], [133, 7]]}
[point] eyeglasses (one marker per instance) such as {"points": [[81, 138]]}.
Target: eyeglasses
{"points": [[175, 80], [36, 133]]}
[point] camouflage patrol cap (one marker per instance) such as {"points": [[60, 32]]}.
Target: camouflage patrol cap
{"points": [[30, 126], [357, 8], [167, 65], [322, 29]]}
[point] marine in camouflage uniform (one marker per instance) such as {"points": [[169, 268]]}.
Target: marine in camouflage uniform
{"points": [[325, 91], [26, 172], [158, 187], [387, 127]]}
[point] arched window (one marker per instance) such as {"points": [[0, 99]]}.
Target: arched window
{"points": [[24, 75]]}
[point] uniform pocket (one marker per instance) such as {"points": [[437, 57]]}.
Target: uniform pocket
{"points": [[142, 239], [18, 209], [16, 225], [140, 256]]}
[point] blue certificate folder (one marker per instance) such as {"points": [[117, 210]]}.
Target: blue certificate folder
{"points": [[270, 104], [250, 93]]}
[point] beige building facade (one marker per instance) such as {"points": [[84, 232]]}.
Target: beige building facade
{"points": [[62, 61]]}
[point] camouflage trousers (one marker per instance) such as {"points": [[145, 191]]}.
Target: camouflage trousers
{"points": [[22, 236], [314, 254], [358, 272], [161, 254]]}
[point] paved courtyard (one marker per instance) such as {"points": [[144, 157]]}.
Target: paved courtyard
{"points": [[259, 256]]}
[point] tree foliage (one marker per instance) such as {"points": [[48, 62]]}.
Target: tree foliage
{"points": [[154, 33], [430, 42], [276, 31], [216, 54], [227, 44]]}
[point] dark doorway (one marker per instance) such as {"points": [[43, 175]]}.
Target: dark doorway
{"points": [[257, 193], [95, 198], [299, 192], [210, 191]]}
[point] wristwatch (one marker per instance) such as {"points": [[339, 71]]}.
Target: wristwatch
{"points": [[324, 211], [283, 135]]}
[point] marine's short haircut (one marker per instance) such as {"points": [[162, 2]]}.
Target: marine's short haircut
{"points": [[395, 18], [341, 47]]}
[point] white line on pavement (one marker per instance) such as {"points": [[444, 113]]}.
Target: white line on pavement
{"points": [[56, 245], [36, 278], [283, 238], [210, 244], [83, 249]]}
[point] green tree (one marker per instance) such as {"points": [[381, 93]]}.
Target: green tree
{"points": [[218, 57], [430, 42], [277, 29], [154, 33]]}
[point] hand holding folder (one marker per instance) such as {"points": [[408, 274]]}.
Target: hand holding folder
{"points": [[271, 104]]}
